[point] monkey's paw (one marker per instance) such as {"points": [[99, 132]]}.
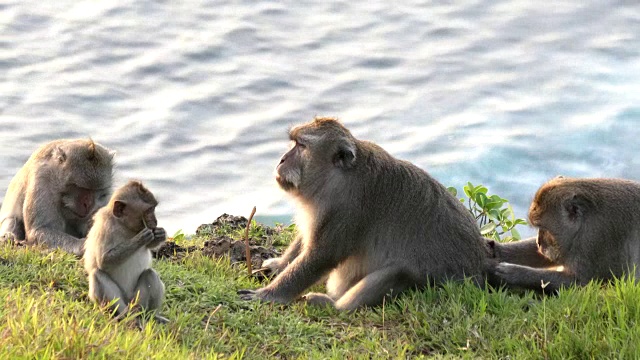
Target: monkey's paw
{"points": [[506, 271], [261, 295], [273, 264], [269, 269], [9, 238], [249, 295], [318, 299], [159, 237]]}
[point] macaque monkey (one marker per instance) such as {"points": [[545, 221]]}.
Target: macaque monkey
{"points": [[374, 224], [53, 197], [118, 251], [587, 229]]}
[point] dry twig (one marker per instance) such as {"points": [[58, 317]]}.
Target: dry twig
{"points": [[246, 241]]}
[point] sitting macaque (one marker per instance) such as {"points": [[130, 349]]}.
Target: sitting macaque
{"points": [[53, 197], [374, 224], [587, 229], [118, 251]]}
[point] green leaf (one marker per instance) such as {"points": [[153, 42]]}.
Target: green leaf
{"points": [[492, 204], [481, 199], [515, 234], [453, 190], [468, 189], [178, 235], [512, 213], [488, 228], [495, 214], [521, 222]]}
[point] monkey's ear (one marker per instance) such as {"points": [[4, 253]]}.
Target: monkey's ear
{"points": [[59, 154], [118, 208], [345, 157], [576, 206]]}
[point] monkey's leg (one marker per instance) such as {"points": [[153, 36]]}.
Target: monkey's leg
{"points": [[150, 291], [102, 289], [12, 229], [373, 288], [546, 280], [521, 252]]}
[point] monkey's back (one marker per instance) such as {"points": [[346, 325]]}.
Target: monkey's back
{"points": [[425, 223]]}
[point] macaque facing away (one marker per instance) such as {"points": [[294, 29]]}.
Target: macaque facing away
{"points": [[118, 251], [53, 197]]}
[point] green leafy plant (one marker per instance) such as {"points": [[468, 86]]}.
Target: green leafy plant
{"points": [[494, 214]]}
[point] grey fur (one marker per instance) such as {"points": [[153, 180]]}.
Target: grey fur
{"points": [[590, 227], [118, 257], [374, 224], [39, 204]]}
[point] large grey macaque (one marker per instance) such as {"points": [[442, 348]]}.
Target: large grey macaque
{"points": [[118, 251], [377, 225], [53, 196], [589, 227]]}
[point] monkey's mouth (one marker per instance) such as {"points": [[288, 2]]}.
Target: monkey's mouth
{"points": [[284, 183]]}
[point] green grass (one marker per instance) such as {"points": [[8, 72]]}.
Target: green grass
{"points": [[45, 313]]}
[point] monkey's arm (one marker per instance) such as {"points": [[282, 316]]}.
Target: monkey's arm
{"points": [[278, 264], [549, 280], [307, 269], [44, 223], [521, 252], [118, 251]]}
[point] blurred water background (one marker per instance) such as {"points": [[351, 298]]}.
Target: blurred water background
{"points": [[196, 96]]}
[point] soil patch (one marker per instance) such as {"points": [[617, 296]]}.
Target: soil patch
{"points": [[217, 246]]}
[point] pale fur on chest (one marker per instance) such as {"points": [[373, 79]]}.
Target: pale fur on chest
{"points": [[126, 274]]}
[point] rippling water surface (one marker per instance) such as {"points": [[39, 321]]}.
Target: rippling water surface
{"points": [[196, 96]]}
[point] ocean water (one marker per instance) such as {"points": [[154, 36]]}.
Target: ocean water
{"points": [[196, 96]]}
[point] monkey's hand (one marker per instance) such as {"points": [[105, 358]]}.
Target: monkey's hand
{"points": [[159, 236], [507, 272], [270, 268], [9, 238], [144, 237], [260, 294], [318, 299]]}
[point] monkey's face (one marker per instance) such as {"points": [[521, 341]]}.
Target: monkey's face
{"points": [[290, 167], [547, 245], [320, 150], [135, 215], [87, 171], [135, 206], [559, 210], [82, 203]]}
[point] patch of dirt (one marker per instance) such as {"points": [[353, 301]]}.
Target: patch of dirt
{"points": [[217, 246], [171, 250], [236, 250]]}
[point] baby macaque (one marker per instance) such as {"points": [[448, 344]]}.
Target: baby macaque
{"points": [[118, 252]]}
